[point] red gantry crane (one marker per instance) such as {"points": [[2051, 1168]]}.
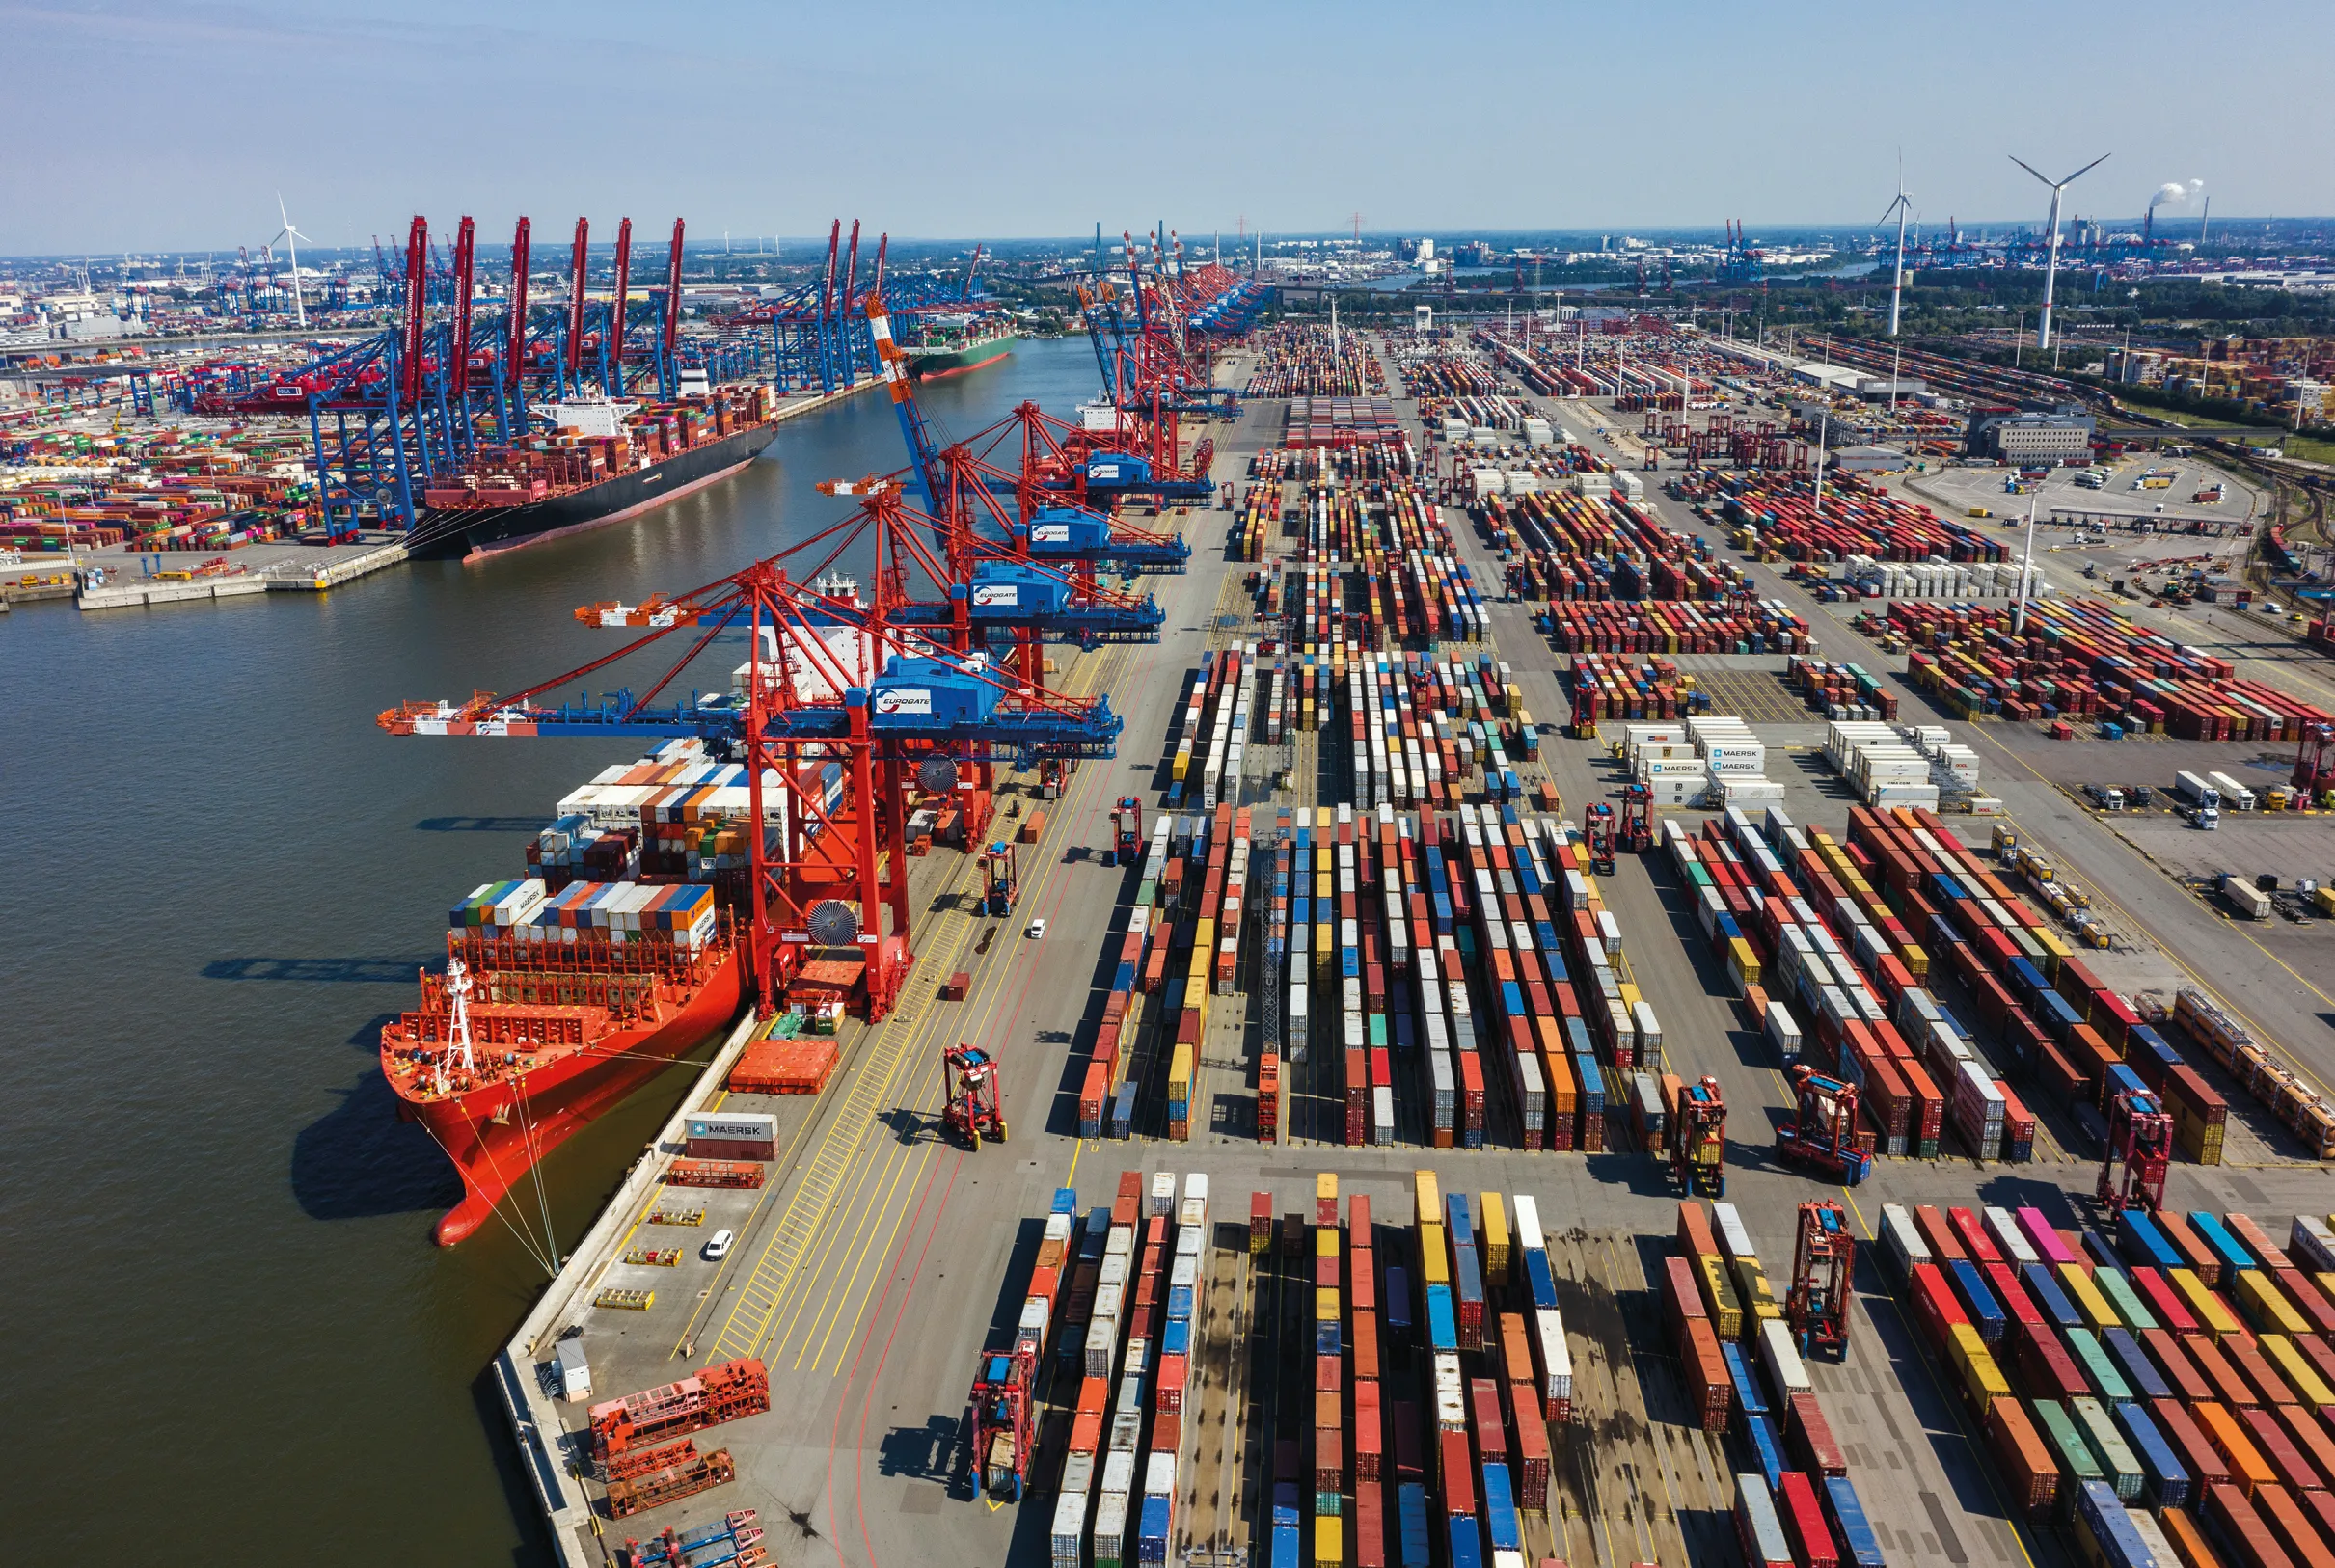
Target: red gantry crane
{"points": [[975, 1108], [1822, 1133], [1824, 1263], [2140, 1140]]}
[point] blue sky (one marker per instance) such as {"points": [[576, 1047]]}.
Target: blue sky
{"points": [[171, 124]]}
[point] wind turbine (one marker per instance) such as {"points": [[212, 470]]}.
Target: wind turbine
{"points": [[2043, 323], [291, 237], [1901, 205]]}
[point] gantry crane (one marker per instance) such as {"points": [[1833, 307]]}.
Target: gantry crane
{"points": [[1005, 1433], [1822, 1133], [975, 1108], [832, 679], [1597, 832], [1824, 1263], [1699, 1139], [2140, 1140], [1634, 833]]}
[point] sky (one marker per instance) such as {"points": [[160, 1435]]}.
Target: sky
{"points": [[167, 124]]}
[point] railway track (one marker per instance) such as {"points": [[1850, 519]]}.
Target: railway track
{"points": [[1219, 1501]]}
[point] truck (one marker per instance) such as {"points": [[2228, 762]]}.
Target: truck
{"points": [[2234, 794], [2198, 791], [2246, 900]]}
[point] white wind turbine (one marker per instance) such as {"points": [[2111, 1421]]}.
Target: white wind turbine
{"points": [[291, 236], [1900, 208], [2043, 323]]}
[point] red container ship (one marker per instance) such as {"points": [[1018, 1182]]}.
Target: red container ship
{"points": [[544, 1019]]}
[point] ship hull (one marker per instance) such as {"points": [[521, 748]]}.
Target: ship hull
{"points": [[561, 1099], [942, 364], [489, 532]]}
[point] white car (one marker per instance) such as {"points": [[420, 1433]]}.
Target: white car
{"points": [[1037, 928], [718, 1246]]}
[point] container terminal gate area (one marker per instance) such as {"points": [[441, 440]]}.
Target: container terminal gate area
{"points": [[1517, 1056]]}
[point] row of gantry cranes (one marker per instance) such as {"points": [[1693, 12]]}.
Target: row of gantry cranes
{"points": [[921, 684], [398, 410]]}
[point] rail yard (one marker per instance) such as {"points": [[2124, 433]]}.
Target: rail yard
{"points": [[1504, 1059]]}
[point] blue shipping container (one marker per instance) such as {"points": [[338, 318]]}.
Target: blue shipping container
{"points": [[1986, 1316], [2166, 1477], [2102, 1517], [1467, 1543], [1498, 1500], [2134, 1363], [1542, 1281], [2047, 1294], [1850, 1524], [1443, 1324], [1411, 1505], [2216, 1236], [1398, 1300], [1748, 1397], [2144, 1244], [1765, 1452]]}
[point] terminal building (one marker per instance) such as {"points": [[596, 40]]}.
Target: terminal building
{"points": [[2047, 433]]}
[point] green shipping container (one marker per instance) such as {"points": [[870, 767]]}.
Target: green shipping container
{"points": [[2111, 1283], [2078, 1463], [2110, 1447], [2099, 1368]]}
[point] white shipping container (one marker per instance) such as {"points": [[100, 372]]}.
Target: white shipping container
{"points": [[1527, 1210], [1787, 1375], [1555, 1356], [1782, 1032], [1159, 1474], [2010, 1237], [2312, 1244], [1734, 1239], [1902, 1239]]}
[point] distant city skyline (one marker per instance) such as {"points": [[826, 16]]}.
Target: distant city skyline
{"points": [[155, 126]]}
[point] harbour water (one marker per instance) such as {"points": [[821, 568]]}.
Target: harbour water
{"points": [[228, 1330]]}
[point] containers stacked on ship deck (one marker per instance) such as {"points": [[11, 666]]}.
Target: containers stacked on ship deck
{"points": [[2162, 1380]]}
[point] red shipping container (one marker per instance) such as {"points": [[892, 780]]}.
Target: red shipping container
{"points": [[1804, 1523], [1491, 1429], [1369, 1435], [2287, 1462], [2229, 1385], [1812, 1442], [1457, 1481], [2242, 1528], [1370, 1526], [2164, 1303], [2289, 1523], [2202, 1460], [1532, 1447], [2046, 1369], [1934, 1306]]}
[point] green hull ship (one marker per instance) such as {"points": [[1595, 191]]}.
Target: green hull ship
{"points": [[956, 359]]}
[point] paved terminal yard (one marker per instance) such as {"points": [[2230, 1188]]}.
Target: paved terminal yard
{"points": [[882, 1258]]}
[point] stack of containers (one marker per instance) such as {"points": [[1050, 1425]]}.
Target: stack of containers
{"points": [[1329, 1375], [1702, 1312], [1367, 1420], [1551, 1365]]}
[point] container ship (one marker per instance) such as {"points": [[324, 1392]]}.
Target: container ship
{"points": [[568, 988], [971, 349], [606, 461]]}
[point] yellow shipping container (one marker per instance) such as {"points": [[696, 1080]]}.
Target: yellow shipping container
{"points": [[2263, 1303], [1719, 1298], [2087, 1299], [1326, 1306], [1981, 1379], [1493, 1219], [1329, 1541], [2050, 943], [1427, 1196], [1917, 961], [1758, 1297], [1184, 759], [1743, 964], [1435, 1256], [1325, 1242], [2205, 1307], [1180, 1074], [2298, 1370]]}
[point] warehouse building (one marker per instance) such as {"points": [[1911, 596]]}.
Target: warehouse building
{"points": [[2034, 435]]}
